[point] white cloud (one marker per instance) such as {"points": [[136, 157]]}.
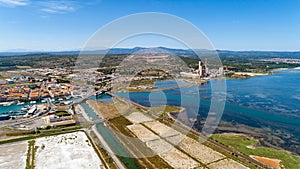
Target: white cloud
{"points": [[13, 3], [58, 6], [49, 7]]}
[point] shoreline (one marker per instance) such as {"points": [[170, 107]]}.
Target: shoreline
{"points": [[194, 134], [262, 143], [247, 75], [244, 75], [251, 74], [163, 89], [260, 133], [233, 133]]}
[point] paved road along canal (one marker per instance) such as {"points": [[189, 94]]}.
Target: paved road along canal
{"points": [[109, 137]]}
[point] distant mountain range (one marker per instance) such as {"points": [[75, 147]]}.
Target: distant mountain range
{"points": [[116, 51], [163, 50]]}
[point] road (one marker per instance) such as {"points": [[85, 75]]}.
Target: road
{"points": [[213, 143], [51, 105], [107, 148], [224, 148], [102, 140]]}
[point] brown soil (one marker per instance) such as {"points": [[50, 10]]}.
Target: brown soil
{"points": [[274, 163]]}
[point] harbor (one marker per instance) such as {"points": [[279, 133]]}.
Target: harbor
{"points": [[27, 109]]}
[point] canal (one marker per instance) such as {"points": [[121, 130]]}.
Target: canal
{"points": [[109, 137]]}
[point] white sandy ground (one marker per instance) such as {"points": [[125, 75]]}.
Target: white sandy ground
{"points": [[250, 73], [13, 156], [161, 129], [142, 132], [159, 146], [137, 117], [165, 150], [171, 155], [228, 164], [66, 151], [176, 139], [251, 147], [177, 159], [200, 151]]}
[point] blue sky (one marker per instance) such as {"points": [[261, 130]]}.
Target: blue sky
{"points": [[229, 24]]}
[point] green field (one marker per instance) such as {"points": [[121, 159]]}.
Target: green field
{"points": [[164, 109], [240, 143]]}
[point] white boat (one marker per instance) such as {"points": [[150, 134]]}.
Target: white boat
{"points": [[32, 102], [24, 109], [43, 101], [31, 111], [20, 103], [68, 97], [7, 103], [60, 99]]}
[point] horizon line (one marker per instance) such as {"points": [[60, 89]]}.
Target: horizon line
{"points": [[80, 50]]}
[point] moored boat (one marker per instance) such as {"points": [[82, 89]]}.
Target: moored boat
{"points": [[25, 109], [20, 103], [4, 117], [6, 103]]}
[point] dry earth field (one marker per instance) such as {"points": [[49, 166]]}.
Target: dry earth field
{"points": [[178, 150], [137, 117]]}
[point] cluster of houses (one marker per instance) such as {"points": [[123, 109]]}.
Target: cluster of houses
{"points": [[13, 93], [23, 92]]}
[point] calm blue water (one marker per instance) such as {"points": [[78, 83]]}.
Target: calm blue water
{"points": [[109, 136], [17, 108], [103, 98], [272, 101]]}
